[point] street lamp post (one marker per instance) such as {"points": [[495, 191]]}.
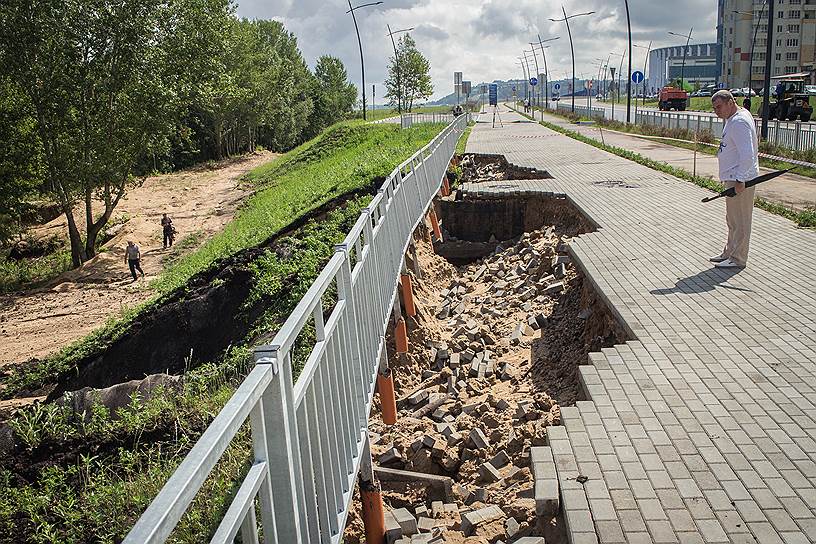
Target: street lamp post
{"points": [[766, 92], [527, 86], [396, 64], [546, 70], [645, 62], [538, 98], [360, 43], [524, 74], [612, 80], [753, 41], [572, 49], [629, 73], [685, 50]]}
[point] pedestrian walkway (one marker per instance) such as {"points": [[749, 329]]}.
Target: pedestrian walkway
{"points": [[702, 427], [795, 191]]}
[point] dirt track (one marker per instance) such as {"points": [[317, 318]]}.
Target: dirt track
{"points": [[200, 201]]}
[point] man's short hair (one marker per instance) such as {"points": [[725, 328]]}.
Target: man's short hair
{"points": [[723, 94]]}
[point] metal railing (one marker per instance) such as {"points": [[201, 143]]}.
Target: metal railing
{"points": [[310, 437], [583, 111], [791, 134], [408, 119]]}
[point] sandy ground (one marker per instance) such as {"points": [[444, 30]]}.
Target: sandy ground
{"points": [[200, 201]]}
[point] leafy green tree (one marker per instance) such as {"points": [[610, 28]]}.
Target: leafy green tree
{"points": [[409, 78], [333, 94], [20, 171], [97, 75]]}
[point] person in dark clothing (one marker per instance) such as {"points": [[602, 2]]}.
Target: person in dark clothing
{"points": [[168, 230], [746, 103], [133, 257]]}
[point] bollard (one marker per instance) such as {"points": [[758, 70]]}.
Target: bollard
{"points": [[408, 294], [373, 513], [446, 190], [435, 224], [401, 336], [388, 400]]}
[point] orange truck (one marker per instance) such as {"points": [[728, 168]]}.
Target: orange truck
{"points": [[672, 97]]}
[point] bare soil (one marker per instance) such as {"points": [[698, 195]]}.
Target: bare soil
{"points": [[38, 322]]}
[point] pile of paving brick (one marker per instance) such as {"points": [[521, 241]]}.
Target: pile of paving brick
{"points": [[474, 426], [477, 168]]}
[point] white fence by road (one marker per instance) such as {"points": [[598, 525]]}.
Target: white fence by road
{"points": [[309, 438], [791, 134]]}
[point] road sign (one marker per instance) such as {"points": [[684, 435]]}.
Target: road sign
{"points": [[533, 81], [589, 84], [722, 85], [557, 86], [637, 76], [457, 78], [466, 87], [493, 94]]}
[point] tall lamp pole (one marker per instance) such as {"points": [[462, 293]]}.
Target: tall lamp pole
{"points": [[546, 71], [629, 73], [360, 43], [685, 50], [766, 91], [645, 62], [572, 49], [396, 64], [529, 75], [536, 92], [753, 41], [524, 74]]}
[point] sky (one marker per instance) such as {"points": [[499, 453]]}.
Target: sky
{"points": [[484, 38]]}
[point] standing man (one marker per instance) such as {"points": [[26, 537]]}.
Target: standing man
{"points": [[739, 162], [167, 231], [133, 256]]}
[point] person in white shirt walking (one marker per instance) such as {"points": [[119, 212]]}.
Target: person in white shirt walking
{"points": [[739, 162], [133, 257]]}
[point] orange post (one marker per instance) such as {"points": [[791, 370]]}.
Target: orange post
{"points": [[373, 513], [408, 294], [435, 224], [401, 335], [388, 400], [446, 190]]}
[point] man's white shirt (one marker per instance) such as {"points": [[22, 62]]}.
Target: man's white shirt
{"points": [[737, 155]]}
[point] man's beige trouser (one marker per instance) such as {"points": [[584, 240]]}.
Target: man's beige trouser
{"points": [[738, 212]]}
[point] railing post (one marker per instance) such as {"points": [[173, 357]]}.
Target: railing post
{"points": [[282, 446], [776, 132], [797, 138]]}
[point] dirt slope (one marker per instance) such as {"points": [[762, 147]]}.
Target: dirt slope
{"points": [[200, 201]]}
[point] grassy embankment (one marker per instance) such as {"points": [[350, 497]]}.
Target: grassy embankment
{"points": [[74, 479], [806, 218]]}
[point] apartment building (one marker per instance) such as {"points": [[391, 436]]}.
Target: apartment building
{"points": [[742, 29]]}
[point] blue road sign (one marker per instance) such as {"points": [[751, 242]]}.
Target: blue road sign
{"points": [[557, 86], [637, 76], [533, 81], [493, 94]]}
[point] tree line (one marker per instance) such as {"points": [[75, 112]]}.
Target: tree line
{"points": [[96, 94]]}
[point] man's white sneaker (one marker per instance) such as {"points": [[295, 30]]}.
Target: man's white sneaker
{"points": [[728, 263], [718, 259]]}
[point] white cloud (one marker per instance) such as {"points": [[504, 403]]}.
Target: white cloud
{"points": [[482, 38]]}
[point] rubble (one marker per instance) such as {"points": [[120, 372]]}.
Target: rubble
{"points": [[469, 438]]}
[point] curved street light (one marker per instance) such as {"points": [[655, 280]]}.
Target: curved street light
{"points": [[360, 43], [396, 64], [753, 40], [645, 62], [546, 70], [529, 75], [572, 49], [685, 49]]}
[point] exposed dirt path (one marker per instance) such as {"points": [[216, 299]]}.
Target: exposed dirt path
{"points": [[201, 200]]}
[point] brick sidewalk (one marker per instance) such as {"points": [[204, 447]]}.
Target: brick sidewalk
{"points": [[701, 428]]}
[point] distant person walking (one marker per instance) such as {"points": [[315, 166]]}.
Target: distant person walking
{"points": [[739, 162], [133, 257], [168, 231]]}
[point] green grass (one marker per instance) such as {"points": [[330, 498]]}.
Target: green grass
{"points": [[463, 139], [17, 274], [347, 157], [806, 219]]}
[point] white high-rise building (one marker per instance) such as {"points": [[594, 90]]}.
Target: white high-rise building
{"points": [[743, 28]]}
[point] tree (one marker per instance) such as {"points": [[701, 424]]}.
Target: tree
{"points": [[412, 70], [333, 95], [20, 172], [104, 84]]}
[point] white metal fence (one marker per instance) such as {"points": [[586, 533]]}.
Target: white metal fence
{"points": [[408, 119], [309, 437]]}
